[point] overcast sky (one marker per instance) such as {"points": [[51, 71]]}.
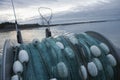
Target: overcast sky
{"points": [[28, 9]]}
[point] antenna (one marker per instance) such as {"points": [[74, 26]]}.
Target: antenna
{"points": [[48, 32], [19, 36]]}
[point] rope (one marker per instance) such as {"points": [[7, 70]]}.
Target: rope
{"points": [[71, 57]]}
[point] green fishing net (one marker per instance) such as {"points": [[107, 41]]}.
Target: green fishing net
{"points": [[68, 57]]}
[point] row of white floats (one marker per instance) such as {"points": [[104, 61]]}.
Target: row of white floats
{"points": [[94, 67], [23, 58]]}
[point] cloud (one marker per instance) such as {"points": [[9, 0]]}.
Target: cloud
{"points": [[25, 3], [28, 9]]}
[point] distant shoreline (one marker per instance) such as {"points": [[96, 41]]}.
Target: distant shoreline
{"points": [[7, 26]]}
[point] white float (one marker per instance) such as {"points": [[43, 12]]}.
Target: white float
{"points": [[62, 70], [53, 79], [23, 56], [34, 41], [15, 77], [83, 72], [17, 67], [69, 52], [98, 64], [104, 47], [95, 51], [73, 40], [59, 44], [92, 69], [111, 60]]}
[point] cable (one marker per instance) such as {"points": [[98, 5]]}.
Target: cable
{"points": [[50, 17], [44, 19]]}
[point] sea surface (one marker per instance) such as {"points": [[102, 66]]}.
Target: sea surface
{"points": [[111, 30]]}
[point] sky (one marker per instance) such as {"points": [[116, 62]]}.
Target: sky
{"points": [[27, 10]]}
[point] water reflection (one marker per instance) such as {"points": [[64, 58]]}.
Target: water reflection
{"points": [[29, 35]]}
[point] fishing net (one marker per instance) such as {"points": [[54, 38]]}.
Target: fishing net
{"points": [[69, 57]]}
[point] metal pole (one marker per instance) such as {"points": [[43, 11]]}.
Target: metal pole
{"points": [[14, 16], [19, 36]]}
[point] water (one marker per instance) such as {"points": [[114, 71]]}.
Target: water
{"points": [[111, 30], [28, 35]]}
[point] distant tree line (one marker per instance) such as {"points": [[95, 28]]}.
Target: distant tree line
{"points": [[8, 26], [4, 24]]}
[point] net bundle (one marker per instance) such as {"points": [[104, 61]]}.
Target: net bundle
{"points": [[68, 57]]}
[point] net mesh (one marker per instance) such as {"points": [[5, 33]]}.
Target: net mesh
{"points": [[63, 60]]}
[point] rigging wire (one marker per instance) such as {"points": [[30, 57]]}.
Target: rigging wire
{"points": [[46, 19]]}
